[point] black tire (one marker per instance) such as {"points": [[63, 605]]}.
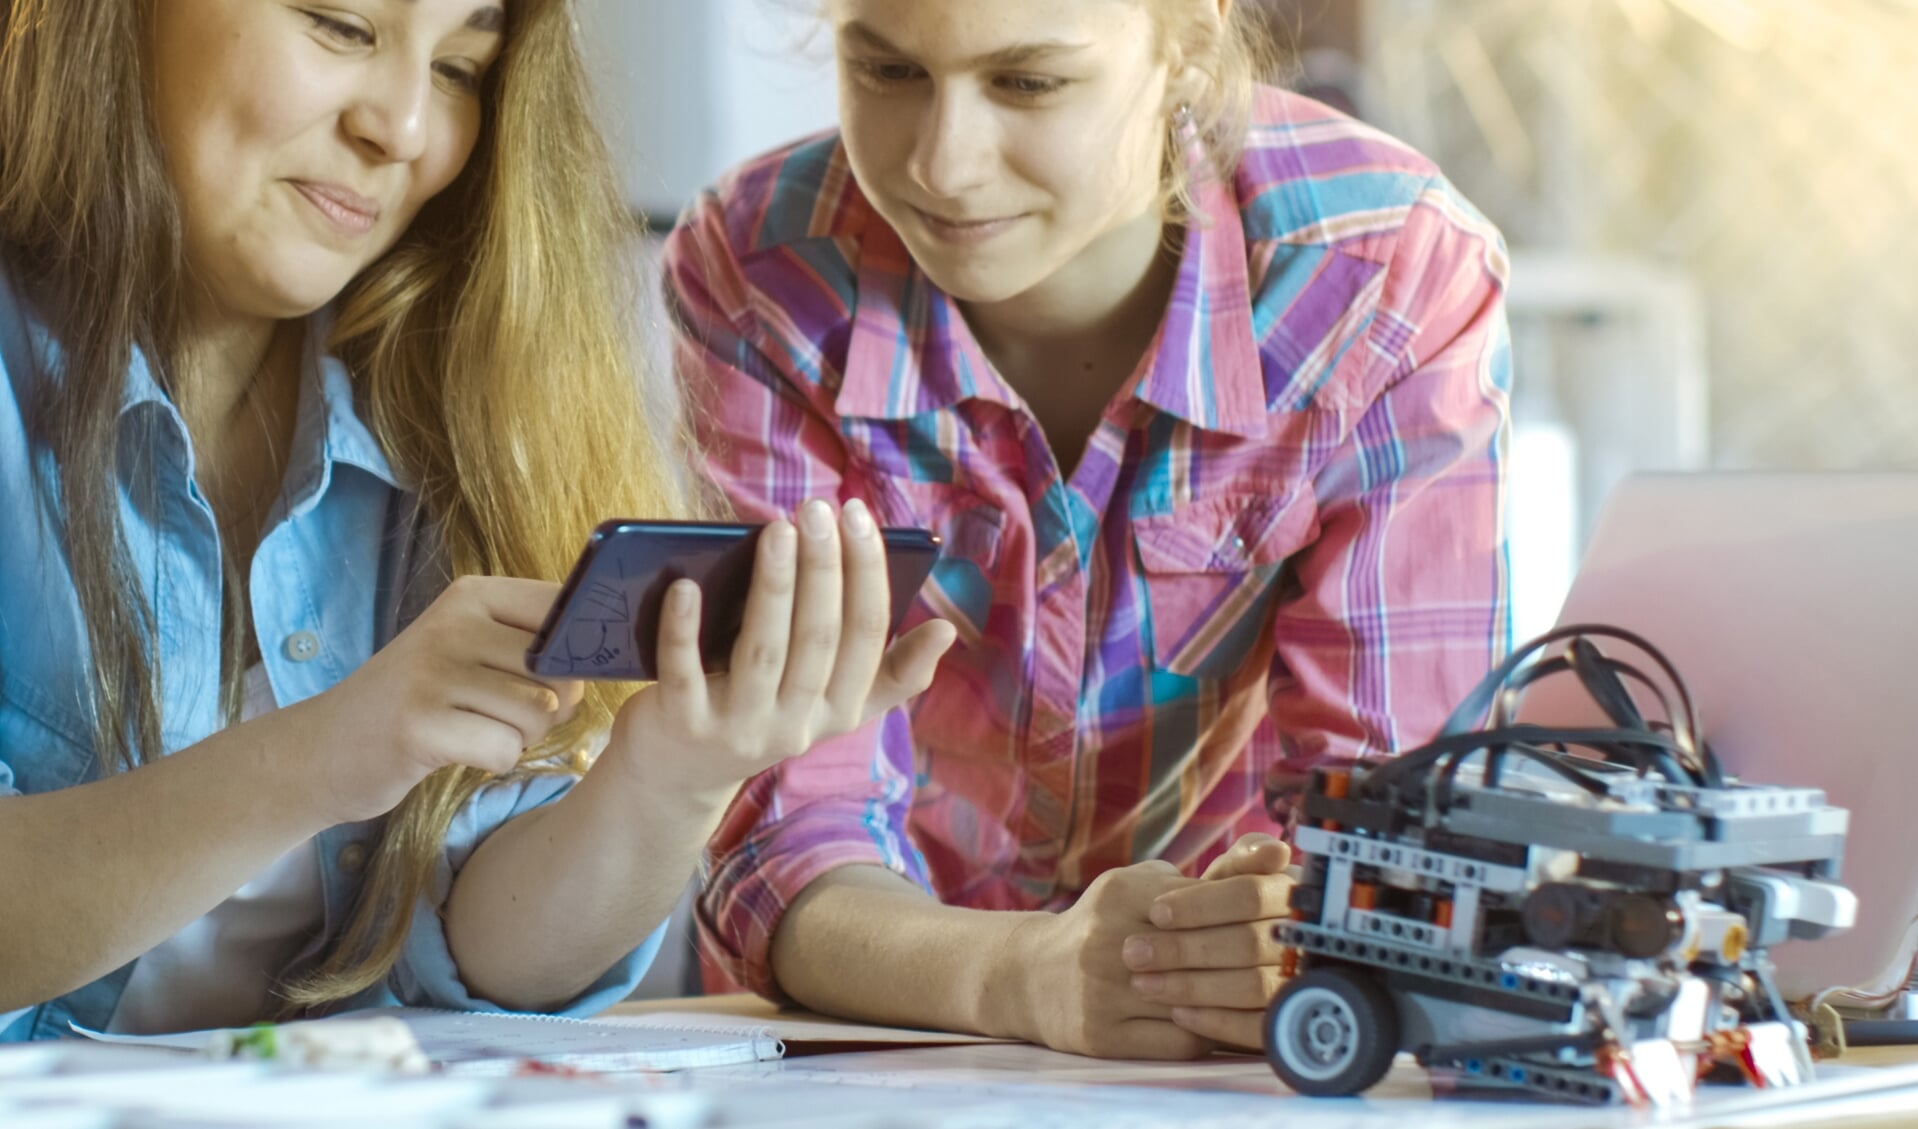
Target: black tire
{"points": [[1331, 1032]]}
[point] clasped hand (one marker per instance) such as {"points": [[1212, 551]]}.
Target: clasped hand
{"points": [[1211, 958], [1151, 964]]}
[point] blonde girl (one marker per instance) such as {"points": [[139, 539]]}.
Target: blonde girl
{"points": [[317, 371]]}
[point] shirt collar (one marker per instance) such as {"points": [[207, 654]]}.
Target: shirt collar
{"points": [[1207, 370], [327, 430], [140, 387], [911, 351], [329, 410]]}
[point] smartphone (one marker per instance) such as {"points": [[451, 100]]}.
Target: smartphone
{"points": [[605, 623]]}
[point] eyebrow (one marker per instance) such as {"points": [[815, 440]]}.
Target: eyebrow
{"points": [[1004, 57]]}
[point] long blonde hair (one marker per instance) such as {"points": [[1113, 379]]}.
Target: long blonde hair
{"points": [[494, 346]]}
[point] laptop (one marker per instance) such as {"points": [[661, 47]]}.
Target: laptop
{"points": [[1789, 603]]}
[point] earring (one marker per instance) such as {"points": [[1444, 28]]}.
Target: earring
{"points": [[1182, 116]]}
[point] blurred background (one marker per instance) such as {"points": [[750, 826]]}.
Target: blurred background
{"points": [[1712, 207]]}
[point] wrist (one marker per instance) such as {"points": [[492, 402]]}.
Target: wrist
{"points": [[644, 783], [277, 752], [1006, 977]]}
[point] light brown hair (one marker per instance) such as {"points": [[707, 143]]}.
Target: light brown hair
{"points": [[1226, 58], [493, 348]]}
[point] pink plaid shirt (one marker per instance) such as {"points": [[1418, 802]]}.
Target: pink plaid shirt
{"points": [[1282, 545]]}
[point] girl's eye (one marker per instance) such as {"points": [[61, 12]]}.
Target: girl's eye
{"points": [[465, 77], [352, 34], [1031, 86], [889, 73]]}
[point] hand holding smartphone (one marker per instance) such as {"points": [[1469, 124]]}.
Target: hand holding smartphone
{"points": [[605, 622]]}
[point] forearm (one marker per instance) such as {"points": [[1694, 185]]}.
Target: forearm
{"points": [[556, 897], [96, 875], [864, 943]]}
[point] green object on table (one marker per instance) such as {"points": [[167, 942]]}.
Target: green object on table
{"points": [[260, 1041]]}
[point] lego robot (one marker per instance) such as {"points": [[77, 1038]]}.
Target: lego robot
{"points": [[1578, 913]]}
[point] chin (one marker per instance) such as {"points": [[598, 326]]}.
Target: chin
{"points": [[304, 289], [979, 283]]}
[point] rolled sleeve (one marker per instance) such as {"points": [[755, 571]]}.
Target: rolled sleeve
{"points": [[426, 975], [770, 444], [1402, 602], [844, 803]]}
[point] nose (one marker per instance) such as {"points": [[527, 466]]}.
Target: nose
{"points": [[387, 116], [953, 151]]}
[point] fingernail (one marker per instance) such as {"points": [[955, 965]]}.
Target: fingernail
{"points": [[858, 519], [1182, 1015], [1161, 915], [1137, 952], [682, 595], [1149, 983], [815, 518]]}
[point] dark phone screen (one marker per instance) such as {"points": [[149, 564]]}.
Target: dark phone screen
{"points": [[605, 624]]}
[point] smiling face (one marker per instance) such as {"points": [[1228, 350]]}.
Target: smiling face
{"points": [[302, 138], [1003, 138]]}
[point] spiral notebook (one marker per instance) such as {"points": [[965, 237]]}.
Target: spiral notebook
{"points": [[464, 1042]]}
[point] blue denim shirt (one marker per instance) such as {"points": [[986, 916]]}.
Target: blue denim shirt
{"points": [[338, 571]]}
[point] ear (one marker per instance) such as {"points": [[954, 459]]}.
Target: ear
{"points": [[1191, 49]]}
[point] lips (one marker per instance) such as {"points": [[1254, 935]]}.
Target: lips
{"points": [[349, 211], [949, 221], [964, 230]]}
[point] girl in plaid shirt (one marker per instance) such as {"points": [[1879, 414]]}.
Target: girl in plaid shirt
{"points": [[1204, 387]]}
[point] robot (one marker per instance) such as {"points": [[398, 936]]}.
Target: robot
{"points": [[1579, 913]]}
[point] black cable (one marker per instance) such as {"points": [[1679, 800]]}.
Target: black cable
{"points": [[1478, 703], [1423, 758], [1597, 674], [1596, 668], [1673, 748]]}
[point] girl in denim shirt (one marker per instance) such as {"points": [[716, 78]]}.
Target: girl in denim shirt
{"points": [[311, 331]]}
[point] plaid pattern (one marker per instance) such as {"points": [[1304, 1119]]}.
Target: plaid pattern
{"points": [[1282, 545]]}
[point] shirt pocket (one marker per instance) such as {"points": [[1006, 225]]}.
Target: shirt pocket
{"points": [[969, 528], [1212, 569], [44, 744]]}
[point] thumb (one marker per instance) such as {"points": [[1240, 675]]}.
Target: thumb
{"points": [[1254, 853], [908, 666]]}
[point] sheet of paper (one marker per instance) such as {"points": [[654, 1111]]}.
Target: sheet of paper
{"points": [[793, 1027], [488, 1043], [460, 1039], [23, 1060]]}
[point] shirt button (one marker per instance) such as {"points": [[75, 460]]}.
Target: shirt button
{"points": [[352, 857], [302, 646]]}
